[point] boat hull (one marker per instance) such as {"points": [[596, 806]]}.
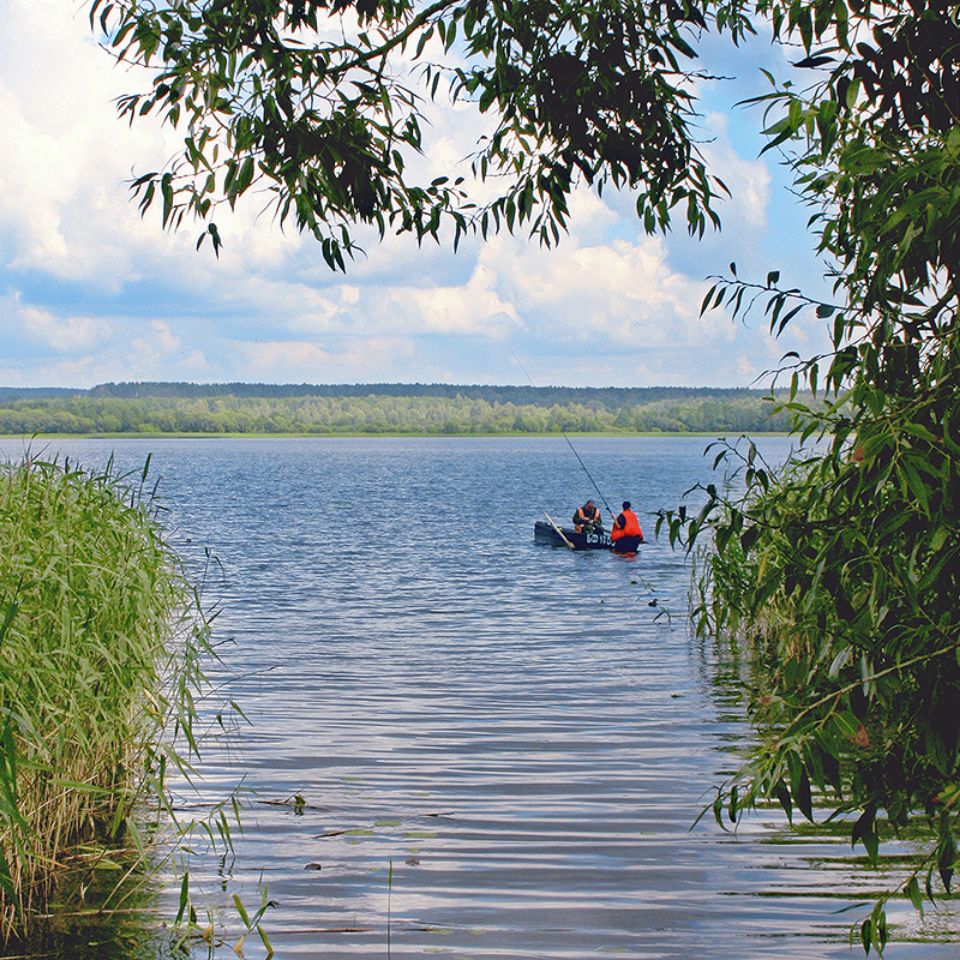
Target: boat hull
{"points": [[544, 533]]}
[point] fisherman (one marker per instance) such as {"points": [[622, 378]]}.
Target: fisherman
{"points": [[626, 524], [587, 519]]}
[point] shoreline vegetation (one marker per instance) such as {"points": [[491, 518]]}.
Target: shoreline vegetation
{"points": [[359, 410], [104, 642], [369, 435]]}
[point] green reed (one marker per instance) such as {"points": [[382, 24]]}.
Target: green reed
{"points": [[102, 641]]}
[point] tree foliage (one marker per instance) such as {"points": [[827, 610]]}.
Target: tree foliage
{"points": [[610, 398], [383, 414], [836, 578], [319, 106]]}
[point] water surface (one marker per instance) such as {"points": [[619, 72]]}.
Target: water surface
{"points": [[522, 735]]}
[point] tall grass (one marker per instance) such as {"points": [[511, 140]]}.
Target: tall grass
{"points": [[101, 642]]}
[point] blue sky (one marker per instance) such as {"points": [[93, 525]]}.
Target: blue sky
{"points": [[89, 292]]}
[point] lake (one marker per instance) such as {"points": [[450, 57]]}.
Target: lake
{"points": [[502, 746]]}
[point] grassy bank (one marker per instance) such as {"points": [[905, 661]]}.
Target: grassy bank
{"points": [[101, 641]]}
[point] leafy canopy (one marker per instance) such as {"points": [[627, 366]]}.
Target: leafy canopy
{"points": [[318, 107], [834, 581]]}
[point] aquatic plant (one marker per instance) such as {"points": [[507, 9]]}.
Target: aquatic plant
{"points": [[103, 642]]}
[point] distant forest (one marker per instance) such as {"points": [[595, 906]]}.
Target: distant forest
{"points": [[390, 408], [612, 398]]}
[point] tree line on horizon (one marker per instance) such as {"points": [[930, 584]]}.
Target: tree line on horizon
{"points": [[613, 398], [386, 414]]}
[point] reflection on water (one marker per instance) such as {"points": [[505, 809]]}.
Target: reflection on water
{"points": [[502, 744], [96, 878]]}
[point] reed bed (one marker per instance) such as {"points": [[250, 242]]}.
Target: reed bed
{"points": [[101, 645]]}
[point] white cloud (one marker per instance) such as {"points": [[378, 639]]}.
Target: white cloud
{"points": [[608, 305], [282, 303], [83, 371], [296, 359], [164, 337], [64, 154], [304, 360], [619, 293], [157, 354], [197, 362], [70, 334], [748, 180], [474, 308], [66, 158]]}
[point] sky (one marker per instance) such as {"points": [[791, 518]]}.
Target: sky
{"points": [[91, 292]]}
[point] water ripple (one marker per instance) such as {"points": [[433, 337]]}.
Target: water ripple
{"points": [[513, 731]]}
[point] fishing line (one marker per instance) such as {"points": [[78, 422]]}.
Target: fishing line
{"points": [[565, 437]]}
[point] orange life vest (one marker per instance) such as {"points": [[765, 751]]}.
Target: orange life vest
{"points": [[631, 527]]}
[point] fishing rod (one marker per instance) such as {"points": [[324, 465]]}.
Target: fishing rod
{"points": [[590, 475], [569, 441]]}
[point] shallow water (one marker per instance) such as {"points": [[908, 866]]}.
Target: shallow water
{"points": [[501, 744]]}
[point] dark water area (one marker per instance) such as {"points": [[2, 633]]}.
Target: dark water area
{"points": [[502, 747]]}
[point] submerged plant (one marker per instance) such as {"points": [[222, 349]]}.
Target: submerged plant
{"points": [[103, 641]]}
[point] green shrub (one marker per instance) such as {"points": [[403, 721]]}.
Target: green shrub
{"points": [[101, 639]]}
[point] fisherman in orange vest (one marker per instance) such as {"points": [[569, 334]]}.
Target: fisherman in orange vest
{"points": [[626, 524], [587, 519]]}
